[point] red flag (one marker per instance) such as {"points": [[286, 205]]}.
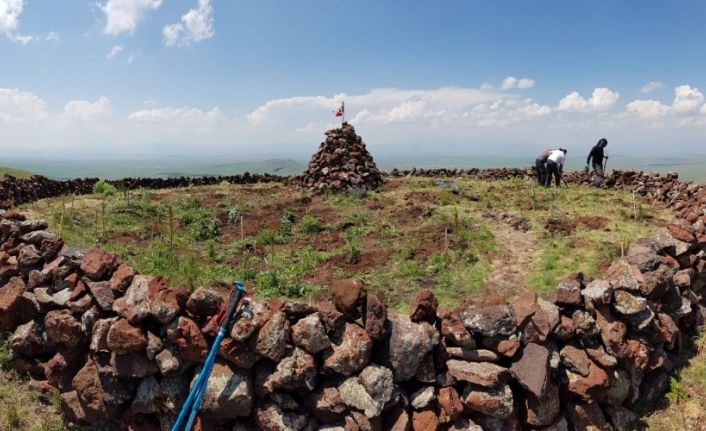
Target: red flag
{"points": [[339, 112]]}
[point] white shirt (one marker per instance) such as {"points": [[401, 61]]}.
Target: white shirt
{"points": [[558, 157]]}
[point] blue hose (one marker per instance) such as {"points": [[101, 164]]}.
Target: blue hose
{"points": [[193, 400]]}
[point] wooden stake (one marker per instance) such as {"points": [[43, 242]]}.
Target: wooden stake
{"points": [[446, 239], [242, 230], [634, 206], [61, 221]]}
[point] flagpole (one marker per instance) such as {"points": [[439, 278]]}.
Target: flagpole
{"points": [[343, 113]]}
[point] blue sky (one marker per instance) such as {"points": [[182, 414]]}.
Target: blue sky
{"points": [[470, 77]]}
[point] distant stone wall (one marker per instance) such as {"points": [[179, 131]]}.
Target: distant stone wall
{"points": [[18, 191], [120, 349]]}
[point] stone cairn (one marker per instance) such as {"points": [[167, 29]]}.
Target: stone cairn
{"points": [[342, 163]]}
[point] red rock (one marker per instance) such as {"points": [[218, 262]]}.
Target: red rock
{"points": [[122, 277], [185, 333], [351, 354], [297, 370], [565, 329], [28, 256], [348, 297], [102, 293], [309, 334], [479, 373], [63, 328], [135, 305], [450, 402], [15, 309], [124, 338], [273, 337], [97, 263], [238, 353], [453, 330], [271, 417], [591, 388], [332, 319], [569, 291], [612, 332], [167, 303], [496, 401], [90, 392], [575, 360], [326, 404], [62, 367], [681, 229], [375, 317], [204, 302], [29, 339], [423, 307], [425, 420], [531, 369]]}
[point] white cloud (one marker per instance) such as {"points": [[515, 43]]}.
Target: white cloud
{"points": [[53, 37], [123, 16], [115, 50], [508, 83], [647, 109], [651, 86], [10, 11], [687, 99], [195, 26], [601, 99], [380, 106], [184, 117], [525, 83], [511, 82], [504, 112], [83, 111], [17, 107]]}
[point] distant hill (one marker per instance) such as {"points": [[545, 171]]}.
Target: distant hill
{"points": [[19, 173], [269, 166]]}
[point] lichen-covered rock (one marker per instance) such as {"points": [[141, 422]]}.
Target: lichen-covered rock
{"points": [[351, 354], [496, 321], [407, 345], [229, 393], [296, 370], [496, 401], [309, 334], [273, 337]]}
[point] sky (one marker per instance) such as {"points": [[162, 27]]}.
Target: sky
{"points": [[229, 77]]}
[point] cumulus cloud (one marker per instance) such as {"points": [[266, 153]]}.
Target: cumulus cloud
{"points": [[601, 99], [380, 106], [647, 109], [17, 107], [687, 99], [195, 26], [123, 16], [83, 111], [651, 86], [10, 11], [184, 117], [115, 50], [511, 82]]}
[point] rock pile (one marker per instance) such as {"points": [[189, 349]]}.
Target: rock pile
{"points": [[342, 163], [120, 349]]}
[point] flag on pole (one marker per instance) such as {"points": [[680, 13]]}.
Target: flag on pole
{"points": [[340, 111]]}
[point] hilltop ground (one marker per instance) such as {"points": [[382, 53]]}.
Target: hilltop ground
{"points": [[470, 241]]}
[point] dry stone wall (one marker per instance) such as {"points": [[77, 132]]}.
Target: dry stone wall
{"points": [[120, 349], [18, 191]]}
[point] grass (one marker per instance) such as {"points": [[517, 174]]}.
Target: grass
{"points": [[684, 405], [22, 409], [18, 173]]}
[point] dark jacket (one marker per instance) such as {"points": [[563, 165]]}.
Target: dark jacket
{"points": [[597, 155]]}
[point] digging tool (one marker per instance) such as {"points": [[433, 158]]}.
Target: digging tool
{"points": [[197, 391], [605, 163]]}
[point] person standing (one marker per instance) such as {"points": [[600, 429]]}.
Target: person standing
{"points": [[555, 166], [540, 164], [597, 154]]}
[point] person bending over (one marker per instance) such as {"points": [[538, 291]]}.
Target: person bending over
{"points": [[555, 166], [597, 154], [541, 165]]}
